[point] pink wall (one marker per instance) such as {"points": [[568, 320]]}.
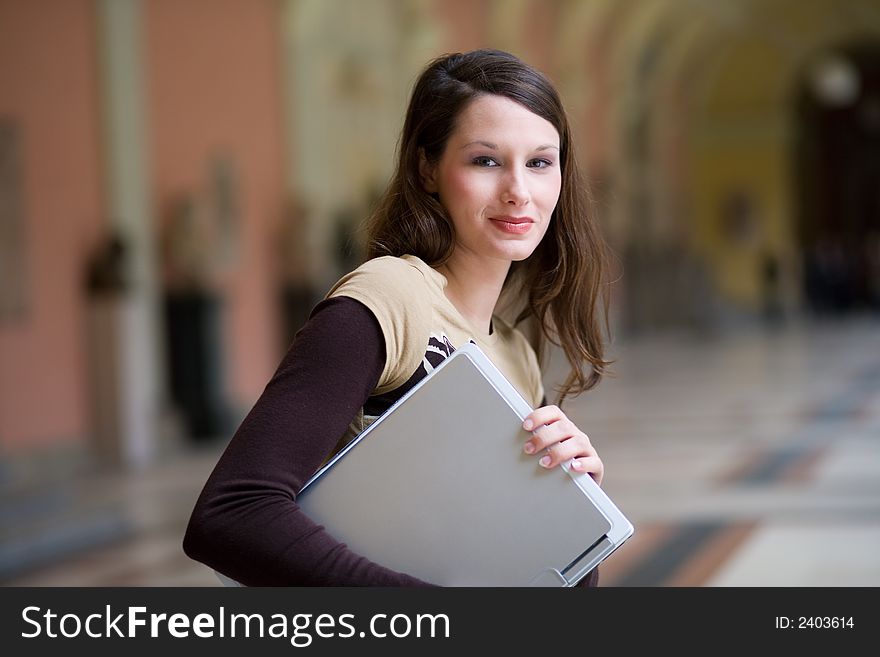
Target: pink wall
{"points": [[214, 84], [48, 86]]}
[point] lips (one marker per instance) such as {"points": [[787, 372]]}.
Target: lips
{"points": [[513, 220], [513, 225]]}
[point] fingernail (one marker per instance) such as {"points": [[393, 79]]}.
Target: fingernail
{"points": [[530, 449], [545, 461], [528, 424], [576, 465]]}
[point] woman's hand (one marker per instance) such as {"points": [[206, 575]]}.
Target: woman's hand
{"points": [[561, 441]]}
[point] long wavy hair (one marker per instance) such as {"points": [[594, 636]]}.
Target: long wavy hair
{"points": [[562, 286]]}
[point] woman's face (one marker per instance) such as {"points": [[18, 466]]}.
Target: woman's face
{"points": [[499, 179]]}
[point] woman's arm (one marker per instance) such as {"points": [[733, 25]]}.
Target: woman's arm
{"points": [[246, 523]]}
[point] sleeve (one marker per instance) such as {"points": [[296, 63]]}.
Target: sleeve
{"points": [[246, 523], [591, 580], [396, 293]]}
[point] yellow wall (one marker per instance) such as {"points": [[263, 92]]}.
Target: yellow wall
{"points": [[741, 145], [758, 169]]}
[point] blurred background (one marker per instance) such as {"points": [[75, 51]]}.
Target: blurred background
{"points": [[182, 180]]}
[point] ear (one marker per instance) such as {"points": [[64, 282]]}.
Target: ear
{"points": [[427, 173]]}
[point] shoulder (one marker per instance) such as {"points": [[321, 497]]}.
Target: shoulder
{"points": [[398, 293], [387, 274], [399, 289]]}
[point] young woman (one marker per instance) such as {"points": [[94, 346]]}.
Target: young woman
{"points": [[486, 199]]}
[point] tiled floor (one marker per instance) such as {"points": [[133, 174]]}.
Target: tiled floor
{"points": [[752, 459]]}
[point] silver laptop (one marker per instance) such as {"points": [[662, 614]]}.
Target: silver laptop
{"points": [[439, 488]]}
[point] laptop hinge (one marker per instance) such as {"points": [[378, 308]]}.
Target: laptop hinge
{"points": [[578, 569]]}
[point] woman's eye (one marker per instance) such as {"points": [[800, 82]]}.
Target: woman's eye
{"points": [[539, 163], [485, 161]]}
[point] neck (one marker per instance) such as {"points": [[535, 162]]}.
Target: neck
{"points": [[473, 286]]}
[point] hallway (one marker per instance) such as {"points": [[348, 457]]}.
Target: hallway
{"points": [[747, 460]]}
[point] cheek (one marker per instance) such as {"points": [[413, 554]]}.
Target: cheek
{"points": [[545, 228], [550, 190], [464, 187]]}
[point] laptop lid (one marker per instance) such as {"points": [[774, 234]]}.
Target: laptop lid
{"points": [[438, 487]]}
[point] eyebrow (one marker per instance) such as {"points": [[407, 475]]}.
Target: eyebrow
{"points": [[489, 144]]}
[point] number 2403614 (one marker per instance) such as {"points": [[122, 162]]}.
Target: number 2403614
{"points": [[815, 622]]}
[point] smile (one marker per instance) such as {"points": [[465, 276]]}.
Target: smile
{"points": [[513, 225]]}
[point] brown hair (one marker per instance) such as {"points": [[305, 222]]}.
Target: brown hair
{"points": [[562, 285]]}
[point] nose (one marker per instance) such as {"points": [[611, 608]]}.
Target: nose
{"points": [[514, 189]]}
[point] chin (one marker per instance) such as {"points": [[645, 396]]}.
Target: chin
{"points": [[517, 255], [522, 250]]}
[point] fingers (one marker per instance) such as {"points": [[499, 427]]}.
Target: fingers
{"points": [[550, 434], [543, 415], [592, 465], [561, 441], [575, 447], [552, 427]]}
